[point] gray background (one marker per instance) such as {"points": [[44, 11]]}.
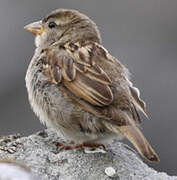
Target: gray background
{"points": [[142, 34]]}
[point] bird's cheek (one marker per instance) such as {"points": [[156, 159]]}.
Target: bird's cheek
{"points": [[39, 39]]}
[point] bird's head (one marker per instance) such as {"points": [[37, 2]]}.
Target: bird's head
{"points": [[63, 25]]}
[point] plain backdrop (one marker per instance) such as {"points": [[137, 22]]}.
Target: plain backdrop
{"points": [[142, 34]]}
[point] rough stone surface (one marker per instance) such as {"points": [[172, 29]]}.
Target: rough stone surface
{"points": [[13, 171], [39, 154]]}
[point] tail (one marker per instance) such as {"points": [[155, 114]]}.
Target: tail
{"points": [[134, 135]]}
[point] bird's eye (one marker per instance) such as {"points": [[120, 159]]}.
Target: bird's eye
{"points": [[52, 25]]}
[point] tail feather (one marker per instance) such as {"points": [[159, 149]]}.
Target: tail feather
{"points": [[134, 135], [140, 104]]}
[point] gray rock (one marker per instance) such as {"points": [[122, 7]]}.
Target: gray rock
{"points": [[15, 171], [39, 154]]}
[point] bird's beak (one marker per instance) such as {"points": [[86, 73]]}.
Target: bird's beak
{"points": [[36, 28]]}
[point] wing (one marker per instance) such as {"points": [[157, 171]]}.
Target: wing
{"points": [[139, 103], [99, 84], [73, 67], [89, 72]]}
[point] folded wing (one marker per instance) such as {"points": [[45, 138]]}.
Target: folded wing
{"points": [[99, 87]]}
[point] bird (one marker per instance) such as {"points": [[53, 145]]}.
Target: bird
{"points": [[78, 88]]}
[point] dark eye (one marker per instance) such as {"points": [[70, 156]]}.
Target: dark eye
{"points": [[52, 25]]}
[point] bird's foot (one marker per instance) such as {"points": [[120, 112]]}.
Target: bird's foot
{"points": [[99, 148], [94, 148], [88, 147]]}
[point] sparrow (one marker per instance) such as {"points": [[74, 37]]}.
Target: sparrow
{"points": [[78, 88]]}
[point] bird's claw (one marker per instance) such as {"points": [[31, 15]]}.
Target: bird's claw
{"points": [[88, 148]]}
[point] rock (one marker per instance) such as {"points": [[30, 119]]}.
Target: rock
{"points": [[12, 170], [110, 171], [39, 154]]}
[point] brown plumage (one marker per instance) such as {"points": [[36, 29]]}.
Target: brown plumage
{"points": [[93, 84]]}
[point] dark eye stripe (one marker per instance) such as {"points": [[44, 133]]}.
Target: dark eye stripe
{"points": [[52, 25]]}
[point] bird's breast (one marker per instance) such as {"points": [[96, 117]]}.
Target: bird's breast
{"points": [[46, 99]]}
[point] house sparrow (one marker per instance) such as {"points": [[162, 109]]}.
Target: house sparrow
{"points": [[75, 86]]}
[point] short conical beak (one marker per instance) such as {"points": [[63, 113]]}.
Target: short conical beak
{"points": [[36, 28]]}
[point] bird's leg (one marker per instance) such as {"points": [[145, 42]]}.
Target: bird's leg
{"points": [[67, 147], [91, 147], [94, 148]]}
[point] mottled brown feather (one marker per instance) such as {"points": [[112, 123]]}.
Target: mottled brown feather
{"points": [[68, 70], [83, 79], [81, 70], [138, 101], [98, 83]]}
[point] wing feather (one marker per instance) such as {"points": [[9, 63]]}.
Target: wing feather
{"points": [[98, 83], [80, 69], [139, 103], [77, 72]]}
